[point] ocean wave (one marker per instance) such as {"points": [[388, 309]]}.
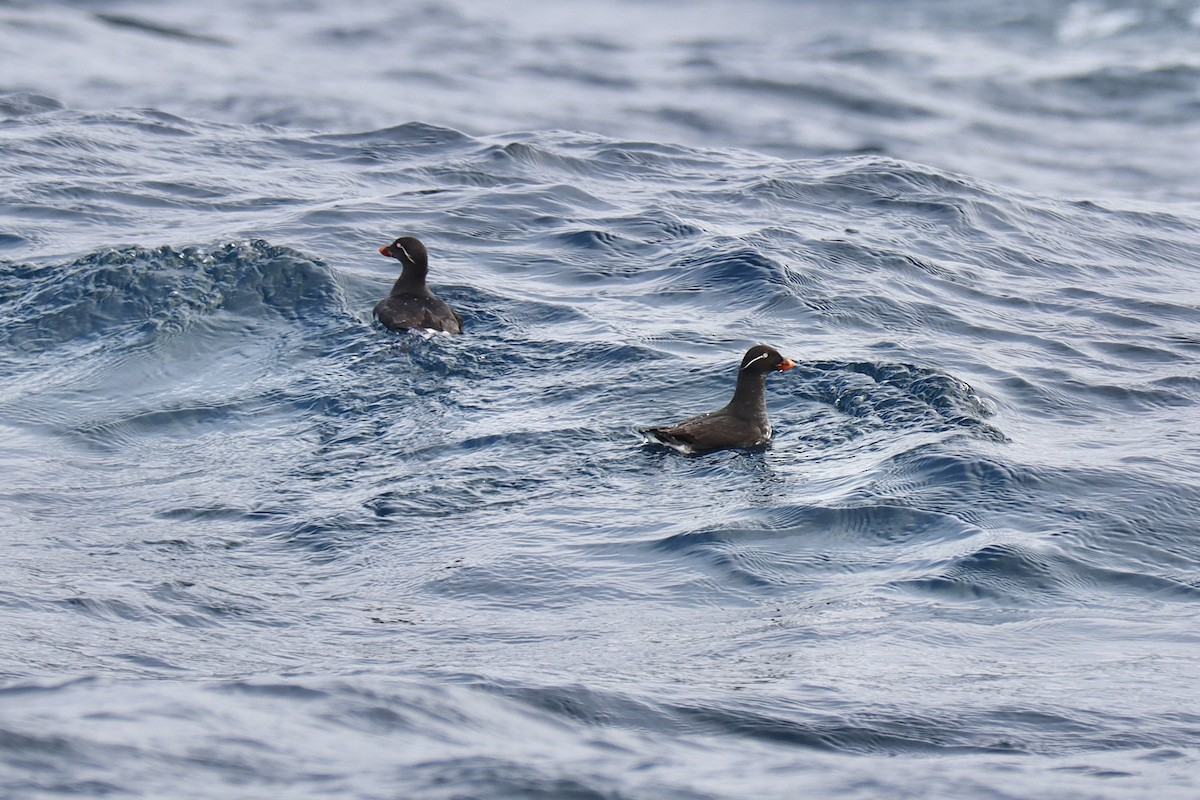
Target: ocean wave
{"points": [[282, 545], [150, 293]]}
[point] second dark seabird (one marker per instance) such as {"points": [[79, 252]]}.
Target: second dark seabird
{"points": [[742, 423], [411, 306]]}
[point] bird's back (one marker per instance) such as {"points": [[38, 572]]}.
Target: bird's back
{"points": [[417, 312], [716, 430]]}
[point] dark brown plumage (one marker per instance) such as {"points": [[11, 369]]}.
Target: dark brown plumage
{"points": [[742, 422], [411, 306]]}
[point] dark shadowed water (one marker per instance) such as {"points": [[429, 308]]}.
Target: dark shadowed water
{"points": [[254, 545]]}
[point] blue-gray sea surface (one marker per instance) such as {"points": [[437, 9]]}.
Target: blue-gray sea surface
{"points": [[254, 545]]}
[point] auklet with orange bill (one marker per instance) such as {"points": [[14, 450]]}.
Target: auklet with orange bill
{"points": [[742, 423], [411, 306]]}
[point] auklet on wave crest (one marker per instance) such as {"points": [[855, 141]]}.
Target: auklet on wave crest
{"points": [[411, 306], [741, 423]]}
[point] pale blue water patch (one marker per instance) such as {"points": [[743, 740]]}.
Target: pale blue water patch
{"points": [[257, 545], [1077, 98]]}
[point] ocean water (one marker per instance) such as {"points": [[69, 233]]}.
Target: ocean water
{"points": [[255, 545]]}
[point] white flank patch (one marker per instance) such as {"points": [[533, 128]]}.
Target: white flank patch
{"points": [[429, 333], [678, 447]]}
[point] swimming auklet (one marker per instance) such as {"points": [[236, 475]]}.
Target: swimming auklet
{"points": [[742, 423], [411, 306]]}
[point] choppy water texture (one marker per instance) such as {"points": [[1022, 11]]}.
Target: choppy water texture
{"points": [[254, 545]]}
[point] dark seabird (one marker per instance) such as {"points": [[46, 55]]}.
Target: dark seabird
{"points": [[411, 306], [741, 423]]}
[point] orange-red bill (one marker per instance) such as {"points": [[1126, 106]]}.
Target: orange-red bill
{"points": [[786, 365], [383, 251]]}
